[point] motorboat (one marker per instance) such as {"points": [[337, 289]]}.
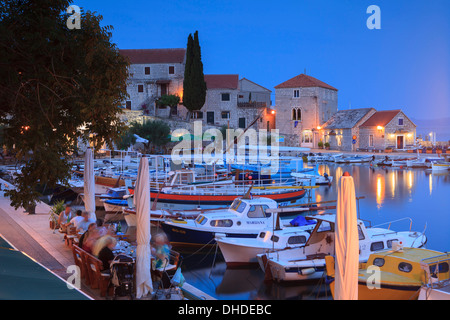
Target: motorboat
{"points": [[440, 166], [355, 159], [308, 262], [239, 251], [244, 218], [313, 179], [399, 272], [418, 163]]}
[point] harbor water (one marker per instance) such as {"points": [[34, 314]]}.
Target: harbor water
{"points": [[413, 198]]}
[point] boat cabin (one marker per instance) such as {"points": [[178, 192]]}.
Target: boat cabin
{"points": [[322, 239], [241, 212]]}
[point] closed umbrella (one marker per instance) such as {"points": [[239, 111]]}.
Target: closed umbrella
{"points": [[346, 241], [143, 236], [89, 184]]}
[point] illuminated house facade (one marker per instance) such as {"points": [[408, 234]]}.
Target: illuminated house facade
{"points": [[387, 129], [303, 105], [342, 131]]}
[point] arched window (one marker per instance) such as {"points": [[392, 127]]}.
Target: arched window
{"points": [[297, 114]]}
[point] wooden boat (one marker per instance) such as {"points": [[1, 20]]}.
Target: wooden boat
{"points": [[215, 194], [398, 273], [308, 262]]}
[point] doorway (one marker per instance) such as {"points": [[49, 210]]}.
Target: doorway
{"points": [[400, 142]]}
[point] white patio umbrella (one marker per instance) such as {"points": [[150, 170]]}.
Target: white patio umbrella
{"points": [[89, 184], [143, 256], [346, 241]]}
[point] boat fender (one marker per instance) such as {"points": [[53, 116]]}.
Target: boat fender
{"points": [[306, 271]]}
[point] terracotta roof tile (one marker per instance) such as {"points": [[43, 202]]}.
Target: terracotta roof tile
{"points": [[302, 81], [222, 81], [380, 118], [143, 56]]}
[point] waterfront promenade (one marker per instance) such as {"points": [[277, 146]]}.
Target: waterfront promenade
{"points": [[31, 234]]}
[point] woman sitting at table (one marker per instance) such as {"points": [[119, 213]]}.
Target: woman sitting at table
{"points": [[103, 250], [91, 239]]}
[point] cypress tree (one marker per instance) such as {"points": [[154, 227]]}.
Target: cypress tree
{"points": [[194, 85]]}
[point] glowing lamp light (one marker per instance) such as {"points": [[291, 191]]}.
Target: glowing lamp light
{"points": [[319, 127], [273, 112]]}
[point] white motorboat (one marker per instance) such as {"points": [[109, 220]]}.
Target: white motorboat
{"points": [[306, 178], [243, 251], [308, 262], [355, 159], [245, 218], [440, 166]]}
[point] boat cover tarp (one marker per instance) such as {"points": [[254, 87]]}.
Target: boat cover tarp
{"points": [[301, 221]]}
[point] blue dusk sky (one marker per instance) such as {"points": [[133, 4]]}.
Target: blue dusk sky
{"points": [[404, 65]]}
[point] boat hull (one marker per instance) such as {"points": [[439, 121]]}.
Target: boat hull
{"points": [[181, 236], [194, 201], [385, 292]]}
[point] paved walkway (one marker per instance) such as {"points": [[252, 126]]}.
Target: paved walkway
{"points": [[31, 234]]}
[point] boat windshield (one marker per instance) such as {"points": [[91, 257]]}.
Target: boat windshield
{"points": [[258, 211], [238, 206]]}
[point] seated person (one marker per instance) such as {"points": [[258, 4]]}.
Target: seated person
{"points": [[91, 239], [85, 235], [64, 218], [75, 221], [160, 251], [84, 223], [103, 251]]}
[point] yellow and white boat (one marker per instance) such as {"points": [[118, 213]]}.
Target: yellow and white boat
{"points": [[392, 274]]}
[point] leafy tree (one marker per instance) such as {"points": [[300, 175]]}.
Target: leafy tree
{"points": [[125, 140], [156, 132], [194, 85], [170, 100], [57, 86]]}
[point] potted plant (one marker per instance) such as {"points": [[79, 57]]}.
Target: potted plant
{"points": [[439, 150], [55, 211], [320, 144], [327, 146], [388, 150], [429, 150]]}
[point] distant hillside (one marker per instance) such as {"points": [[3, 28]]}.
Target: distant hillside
{"points": [[440, 126]]}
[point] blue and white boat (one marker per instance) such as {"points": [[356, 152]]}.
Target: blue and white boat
{"points": [[245, 218]]}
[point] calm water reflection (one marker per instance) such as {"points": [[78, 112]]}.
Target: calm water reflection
{"points": [[390, 194]]}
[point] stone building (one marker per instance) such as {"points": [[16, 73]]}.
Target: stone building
{"points": [[229, 102], [343, 127], [153, 73], [391, 128], [303, 104]]}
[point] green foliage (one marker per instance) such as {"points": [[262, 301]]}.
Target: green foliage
{"points": [[320, 144], [54, 81], [170, 100], [194, 85], [125, 140], [56, 210], [156, 132]]}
